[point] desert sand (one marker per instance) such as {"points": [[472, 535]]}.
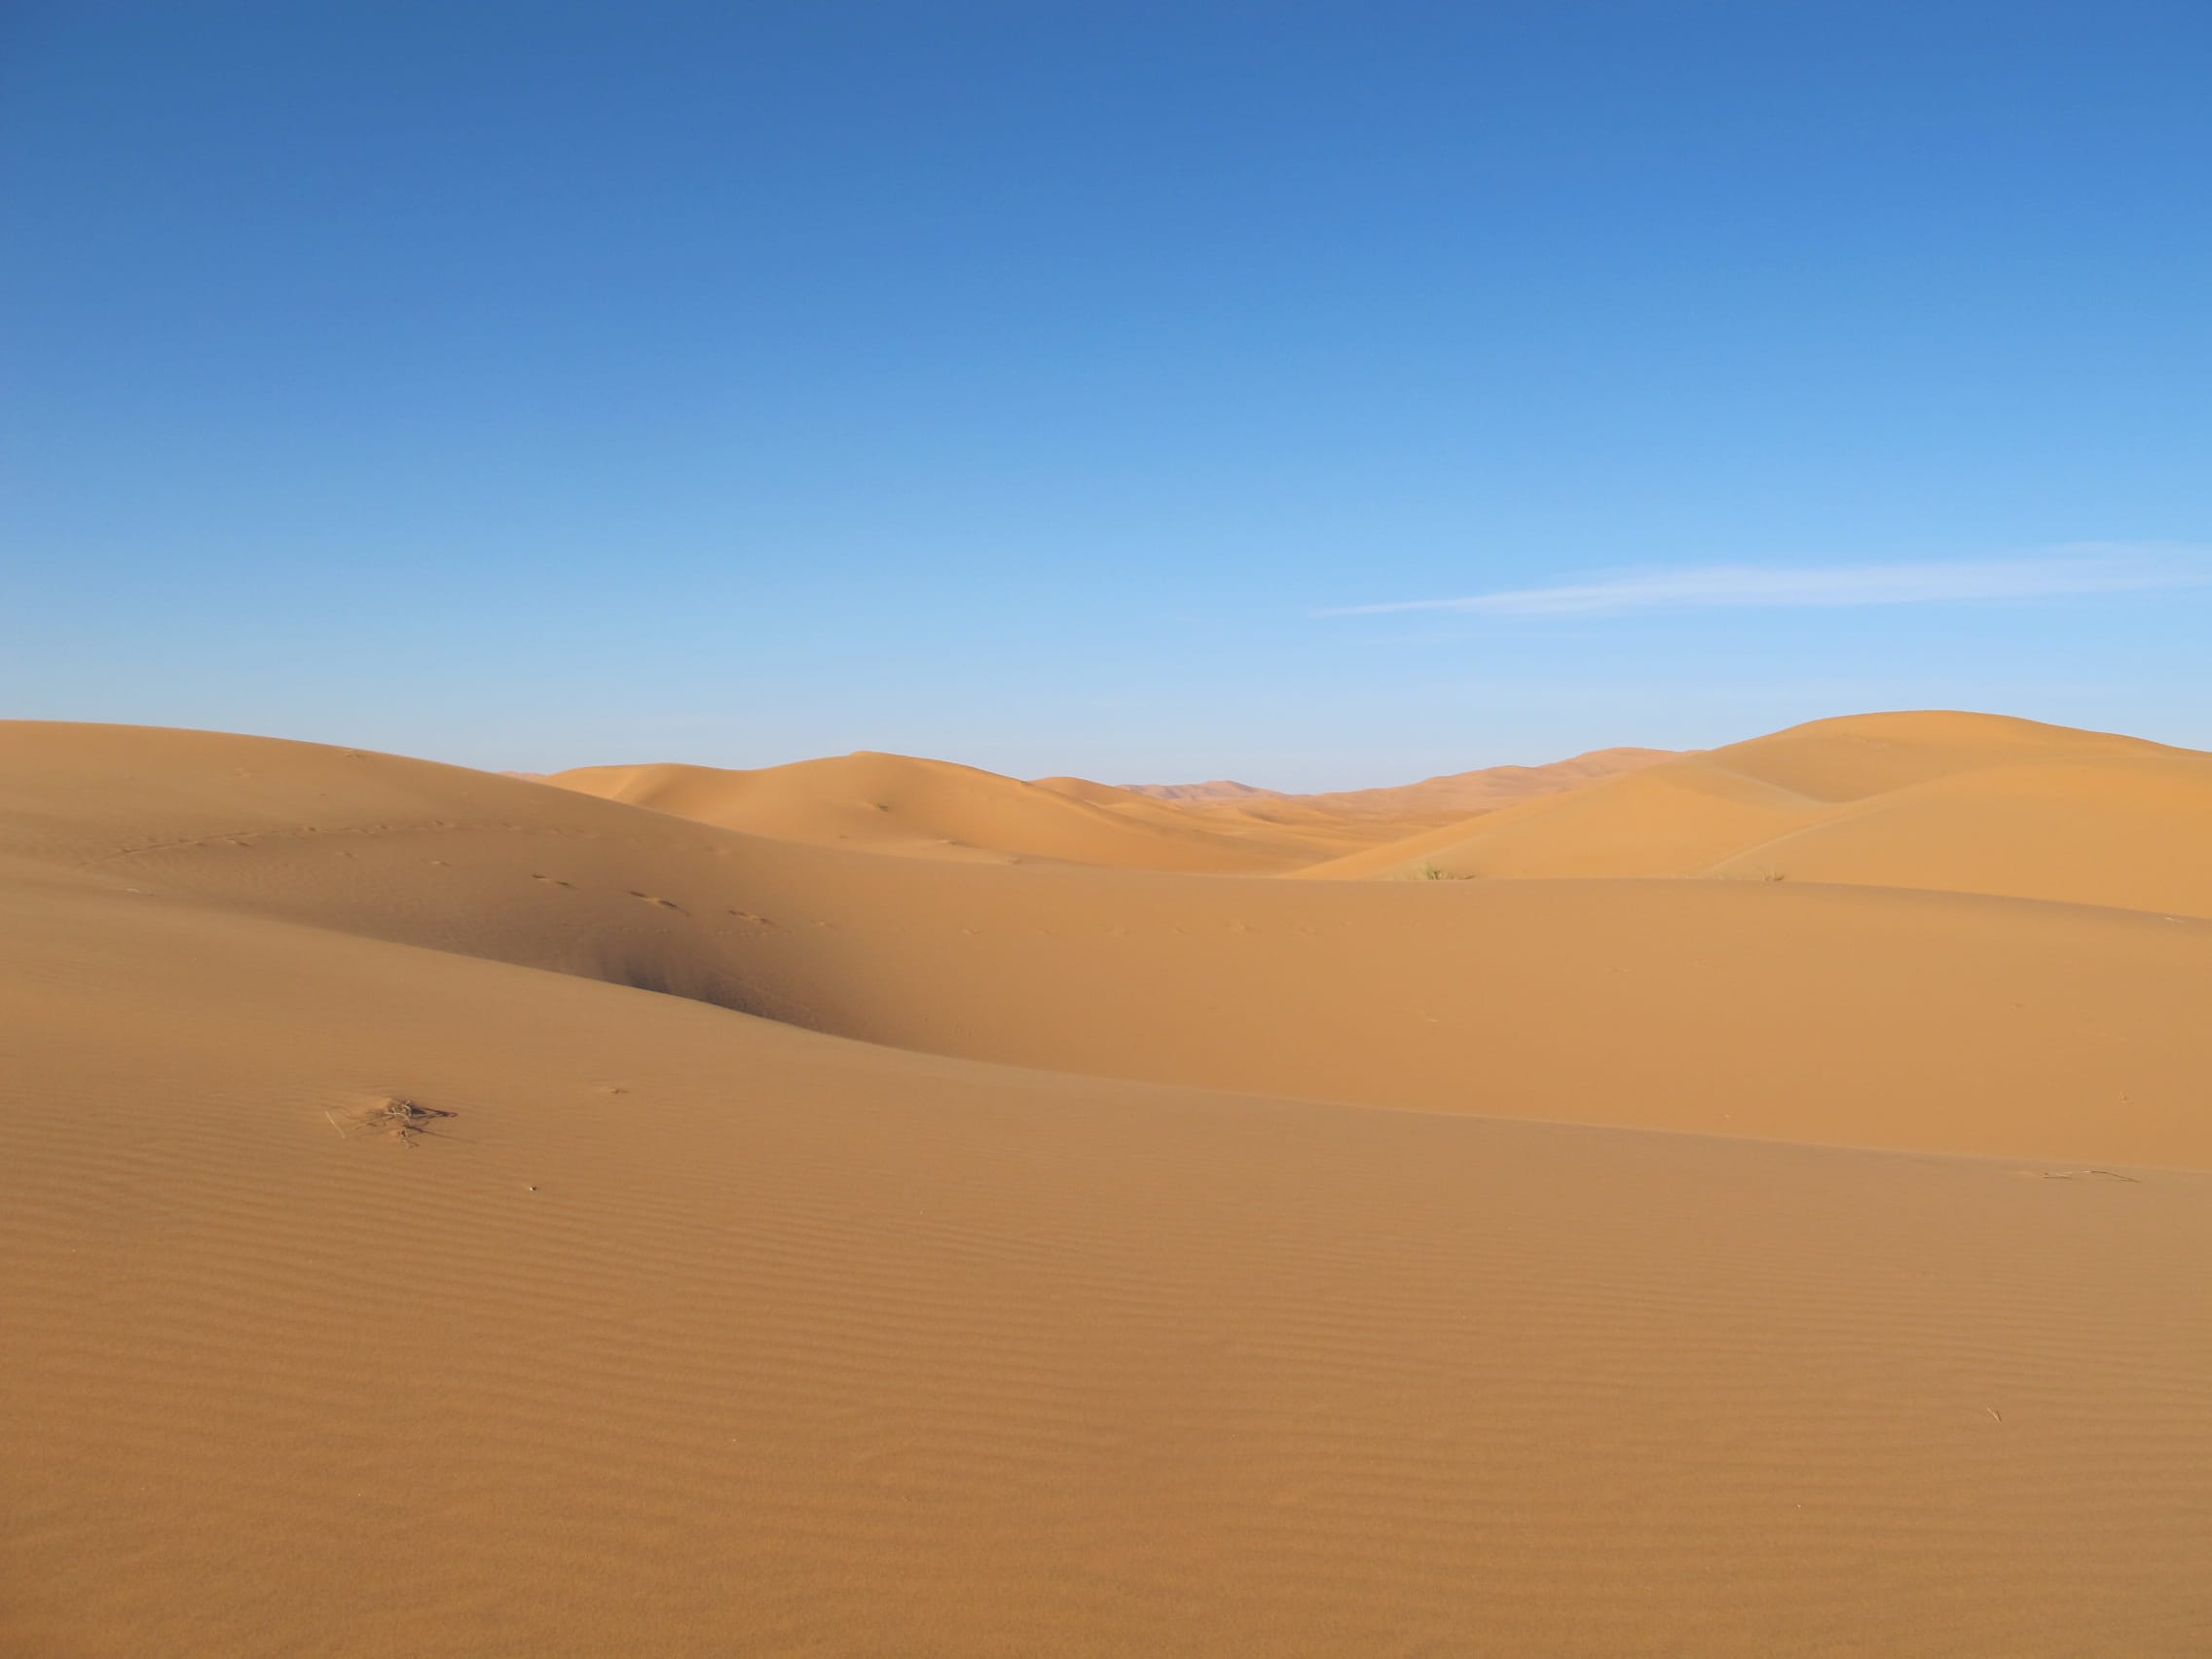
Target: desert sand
{"points": [[1760, 1207]]}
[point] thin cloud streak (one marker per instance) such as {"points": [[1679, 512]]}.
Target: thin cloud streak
{"points": [[2050, 575]]}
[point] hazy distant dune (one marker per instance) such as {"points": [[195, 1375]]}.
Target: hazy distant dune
{"points": [[896, 804], [1453, 792], [1217, 790]]}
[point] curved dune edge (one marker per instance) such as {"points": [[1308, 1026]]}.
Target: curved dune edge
{"points": [[1951, 802], [678, 1331]]}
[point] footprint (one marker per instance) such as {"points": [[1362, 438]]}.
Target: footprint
{"points": [[664, 904], [553, 881]]}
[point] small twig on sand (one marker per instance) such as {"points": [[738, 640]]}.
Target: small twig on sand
{"points": [[401, 1119], [2085, 1174]]}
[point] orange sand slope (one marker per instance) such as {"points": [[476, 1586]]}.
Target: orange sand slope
{"points": [[1961, 803], [392, 1274]]}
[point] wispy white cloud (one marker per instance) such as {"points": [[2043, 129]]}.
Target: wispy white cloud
{"points": [[2057, 573]]}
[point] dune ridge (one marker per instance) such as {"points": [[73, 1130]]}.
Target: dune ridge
{"points": [[1485, 788], [1367, 818], [1945, 801], [896, 804]]}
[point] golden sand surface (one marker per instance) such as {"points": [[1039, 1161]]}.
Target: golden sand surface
{"points": [[1762, 1206]]}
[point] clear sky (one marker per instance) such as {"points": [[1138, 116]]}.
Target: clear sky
{"points": [[1317, 395]]}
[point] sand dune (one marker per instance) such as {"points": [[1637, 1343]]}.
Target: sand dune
{"points": [[1674, 820], [1297, 835], [2130, 831], [895, 803], [1486, 788], [1970, 803], [1213, 790], [1359, 819], [1856, 755], [1468, 997], [651, 1324], [1098, 795]]}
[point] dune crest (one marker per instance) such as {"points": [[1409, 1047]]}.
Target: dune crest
{"points": [[896, 804], [1945, 801], [917, 808], [1382, 815]]}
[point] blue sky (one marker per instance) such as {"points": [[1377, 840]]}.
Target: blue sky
{"points": [[1319, 395]]}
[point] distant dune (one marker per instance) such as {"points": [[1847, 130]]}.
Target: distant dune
{"points": [[1488, 788], [894, 803], [1219, 789], [451, 1215], [1454, 794], [1971, 803]]}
